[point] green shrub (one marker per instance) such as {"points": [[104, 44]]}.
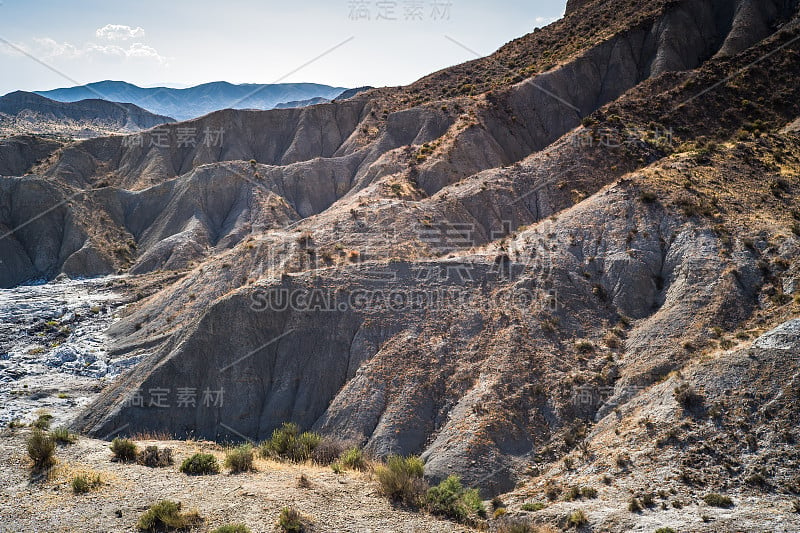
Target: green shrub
{"points": [[533, 506], [665, 530], [232, 528], [400, 479], [288, 443], [124, 450], [166, 515], [305, 444], [290, 520], [62, 436], [282, 440], [240, 459], [200, 464], [577, 518], [588, 492], [353, 459], [451, 500], [43, 422], [718, 500], [83, 483], [41, 447], [154, 457]]}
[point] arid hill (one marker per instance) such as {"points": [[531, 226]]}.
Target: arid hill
{"points": [[30, 113]]}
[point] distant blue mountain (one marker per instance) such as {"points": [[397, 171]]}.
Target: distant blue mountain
{"points": [[184, 104]]}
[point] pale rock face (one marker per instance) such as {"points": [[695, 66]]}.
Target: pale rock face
{"points": [[785, 337]]}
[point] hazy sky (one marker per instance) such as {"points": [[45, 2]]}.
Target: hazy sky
{"points": [[182, 43]]}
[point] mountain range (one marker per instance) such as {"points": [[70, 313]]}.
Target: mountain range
{"points": [[192, 102]]}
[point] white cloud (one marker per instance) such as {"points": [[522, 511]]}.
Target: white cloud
{"points": [[142, 50], [47, 48], [119, 32]]}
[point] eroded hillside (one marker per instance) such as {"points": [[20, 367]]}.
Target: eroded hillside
{"points": [[451, 268]]}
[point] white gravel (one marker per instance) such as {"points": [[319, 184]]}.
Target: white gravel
{"points": [[53, 350]]}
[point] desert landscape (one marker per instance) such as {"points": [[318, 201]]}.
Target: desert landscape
{"points": [[554, 288]]}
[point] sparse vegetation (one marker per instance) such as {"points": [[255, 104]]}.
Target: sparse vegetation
{"points": [[718, 500], [400, 479], [533, 506], [572, 493], [687, 397], [622, 460], [584, 346], [154, 457], [291, 520], [551, 489], [327, 452], [232, 528], [41, 448], [200, 464], [353, 459], [166, 515], [451, 500], [43, 421], [83, 483], [288, 443], [577, 518], [240, 459], [648, 197], [63, 436], [124, 450], [303, 482]]}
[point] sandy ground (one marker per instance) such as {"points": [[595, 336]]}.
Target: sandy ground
{"points": [[347, 502]]}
